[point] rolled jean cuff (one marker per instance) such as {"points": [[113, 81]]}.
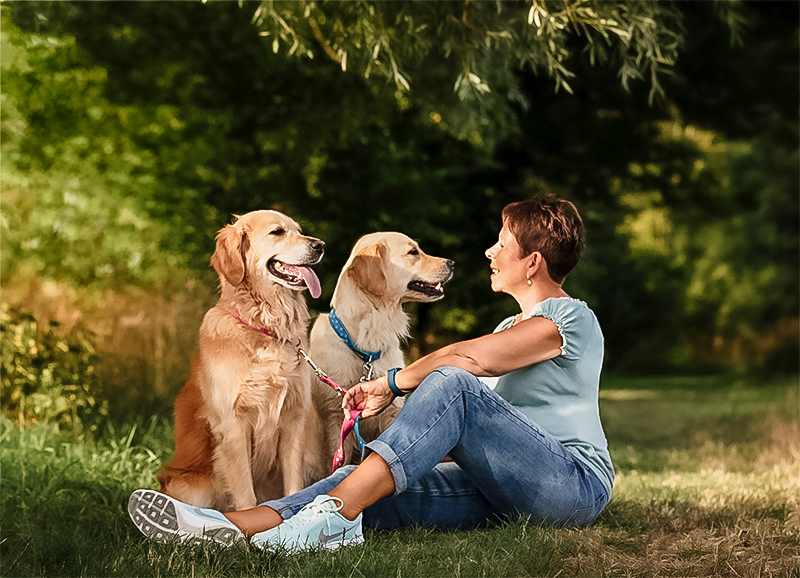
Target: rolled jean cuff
{"points": [[284, 510], [394, 463]]}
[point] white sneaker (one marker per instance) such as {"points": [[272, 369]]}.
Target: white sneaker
{"points": [[164, 519], [318, 525]]}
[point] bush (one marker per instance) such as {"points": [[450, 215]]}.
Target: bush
{"points": [[48, 376]]}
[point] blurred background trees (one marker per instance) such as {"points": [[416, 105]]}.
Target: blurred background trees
{"points": [[132, 131]]}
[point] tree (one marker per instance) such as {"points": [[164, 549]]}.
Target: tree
{"points": [[478, 47], [224, 125]]}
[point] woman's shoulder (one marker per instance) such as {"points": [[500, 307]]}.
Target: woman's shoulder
{"points": [[562, 307], [505, 324], [575, 321]]}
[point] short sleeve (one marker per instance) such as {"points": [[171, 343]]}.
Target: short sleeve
{"points": [[575, 322], [504, 324]]}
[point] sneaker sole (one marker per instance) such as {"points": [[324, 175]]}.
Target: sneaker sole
{"points": [[298, 549], [351, 542], [155, 516]]}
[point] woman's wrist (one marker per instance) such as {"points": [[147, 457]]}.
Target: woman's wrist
{"points": [[391, 379]]}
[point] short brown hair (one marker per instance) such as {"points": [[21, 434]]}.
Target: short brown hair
{"points": [[551, 226]]}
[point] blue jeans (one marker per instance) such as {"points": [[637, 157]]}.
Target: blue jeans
{"points": [[503, 464]]}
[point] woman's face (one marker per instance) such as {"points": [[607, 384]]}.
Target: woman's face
{"points": [[508, 270]]}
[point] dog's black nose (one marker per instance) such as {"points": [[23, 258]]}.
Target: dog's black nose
{"points": [[318, 245], [451, 264]]}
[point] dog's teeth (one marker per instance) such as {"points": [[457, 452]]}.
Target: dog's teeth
{"points": [[438, 287]]}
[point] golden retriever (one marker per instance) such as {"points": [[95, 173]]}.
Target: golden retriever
{"points": [[240, 418], [384, 271]]}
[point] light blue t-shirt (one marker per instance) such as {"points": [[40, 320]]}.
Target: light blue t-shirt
{"points": [[560, 395]]}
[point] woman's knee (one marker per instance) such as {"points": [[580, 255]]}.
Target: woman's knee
{"points": [[451, 379]]}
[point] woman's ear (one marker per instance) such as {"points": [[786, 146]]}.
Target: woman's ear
{"points": [[367, 270], [229, 259], [534, 263]]}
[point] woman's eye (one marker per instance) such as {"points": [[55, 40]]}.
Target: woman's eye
{"points": [[277, 232], [414, 252]]}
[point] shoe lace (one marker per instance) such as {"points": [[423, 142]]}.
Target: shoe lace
{"points": [[314, 511]]}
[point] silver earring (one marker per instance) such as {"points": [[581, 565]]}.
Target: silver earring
{"points": [[529, 281]]}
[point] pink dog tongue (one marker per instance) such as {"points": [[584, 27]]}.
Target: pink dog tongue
{"points": [[312, 281]]}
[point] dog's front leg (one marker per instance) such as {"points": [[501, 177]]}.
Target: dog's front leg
{"points": [[291, 452], [232, 463]]}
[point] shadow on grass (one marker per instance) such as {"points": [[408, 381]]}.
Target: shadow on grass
{"points": [[687, 502]]}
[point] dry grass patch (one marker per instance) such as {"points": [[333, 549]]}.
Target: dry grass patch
{"points": [[730, 518]]}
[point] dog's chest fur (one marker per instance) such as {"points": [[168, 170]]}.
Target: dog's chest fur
{"points": [[379, 331], [257, 385], [274, 368]]}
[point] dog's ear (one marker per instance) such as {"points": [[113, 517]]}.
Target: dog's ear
{"points": [[367, 271], [230, 259]]}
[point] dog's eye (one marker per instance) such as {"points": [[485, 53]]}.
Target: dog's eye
{"points": [[277, 232], [413, 251]]}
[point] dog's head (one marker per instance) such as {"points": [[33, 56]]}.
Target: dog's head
{"points": [[390, 267], [267, 247]]}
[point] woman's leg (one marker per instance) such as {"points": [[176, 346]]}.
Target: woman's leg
{"points": [[506, 465], [516, 466], [443, 498], [271, 513]]}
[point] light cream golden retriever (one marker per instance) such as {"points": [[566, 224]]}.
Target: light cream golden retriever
{"points": [[384, 271], [240, 418]]}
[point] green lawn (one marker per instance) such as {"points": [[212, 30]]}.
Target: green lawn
{"points": [[708, 485]]}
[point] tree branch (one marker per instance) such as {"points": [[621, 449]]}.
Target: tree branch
{"points": [[326, 46]]}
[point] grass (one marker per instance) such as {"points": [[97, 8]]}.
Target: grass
{"points": [[708, 485]]}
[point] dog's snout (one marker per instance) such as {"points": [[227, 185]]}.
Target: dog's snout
{"points": [[318, 245]]}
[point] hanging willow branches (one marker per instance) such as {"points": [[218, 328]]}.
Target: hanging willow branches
{"points": [[483, 42]]}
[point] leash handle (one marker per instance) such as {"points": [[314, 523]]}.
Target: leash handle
{"points": [[347, 426]]}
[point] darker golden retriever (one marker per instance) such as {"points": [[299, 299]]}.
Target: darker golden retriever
{"points": [[240, 418]]}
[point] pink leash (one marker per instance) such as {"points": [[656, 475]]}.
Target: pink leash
{"points": [[349, 423]]}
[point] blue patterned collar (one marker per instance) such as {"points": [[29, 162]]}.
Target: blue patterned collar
{"points": [[341, 331]]}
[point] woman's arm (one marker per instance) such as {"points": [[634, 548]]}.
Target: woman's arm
{"points": [[528, 342]]}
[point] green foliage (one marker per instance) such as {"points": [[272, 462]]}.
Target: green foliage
{"points": [[80, 192], [480, 44], [463, 60], [149, 127], [48, 377], [708, 219]]}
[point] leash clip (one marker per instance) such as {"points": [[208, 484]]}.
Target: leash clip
{"points": [[317, 370], [367, 372]]}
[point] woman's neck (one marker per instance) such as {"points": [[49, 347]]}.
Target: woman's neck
{"points": [[538, 291]]}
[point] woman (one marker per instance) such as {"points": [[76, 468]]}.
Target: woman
{"points": [[533, 447]]}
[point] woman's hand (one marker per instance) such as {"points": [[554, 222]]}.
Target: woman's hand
{"points": [[370, 396]]}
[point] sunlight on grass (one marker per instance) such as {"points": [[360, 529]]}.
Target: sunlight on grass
{"points": [[708, 484], [627, 394]]}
